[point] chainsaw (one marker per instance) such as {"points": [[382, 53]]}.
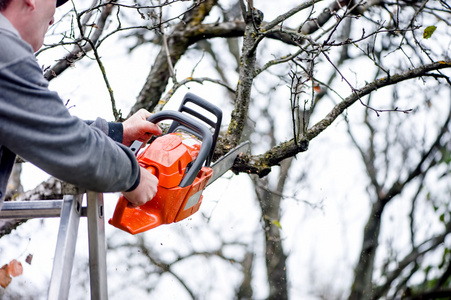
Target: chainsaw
{"points": [[181, 160]]}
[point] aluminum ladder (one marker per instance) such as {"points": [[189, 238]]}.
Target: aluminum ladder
{"points": [[70, 210]]}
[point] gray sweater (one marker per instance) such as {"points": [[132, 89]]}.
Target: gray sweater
{"points": [[36, 125]]}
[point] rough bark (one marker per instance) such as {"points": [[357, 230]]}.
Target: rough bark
{"points": [[178, 42], [47, 190]]}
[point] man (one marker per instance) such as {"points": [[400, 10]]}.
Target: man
{"points": [[35, 124]]}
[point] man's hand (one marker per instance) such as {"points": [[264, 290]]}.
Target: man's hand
{"points": [[138, 128], [145, 191]]}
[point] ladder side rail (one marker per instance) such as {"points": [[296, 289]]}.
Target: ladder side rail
{"points": [[97, 246], [65, 247]]}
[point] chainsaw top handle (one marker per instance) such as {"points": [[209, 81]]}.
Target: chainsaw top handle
{"points": [[193, 111], [202, 130]]}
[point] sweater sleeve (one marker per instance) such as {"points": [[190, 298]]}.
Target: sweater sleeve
{"points": [[114, 130], [35, 124]]}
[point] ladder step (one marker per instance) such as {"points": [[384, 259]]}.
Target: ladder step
{"points": [[31, 209]]}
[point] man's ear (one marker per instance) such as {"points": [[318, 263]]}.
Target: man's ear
{"points": [[30, 4]]}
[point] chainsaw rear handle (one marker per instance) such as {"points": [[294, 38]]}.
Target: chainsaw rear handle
{"points": [[202, 130]]}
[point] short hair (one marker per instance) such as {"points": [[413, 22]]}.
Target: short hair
{"points": [[4, 4]]}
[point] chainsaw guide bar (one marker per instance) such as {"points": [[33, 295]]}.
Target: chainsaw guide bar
{"points": [[225, 163]]}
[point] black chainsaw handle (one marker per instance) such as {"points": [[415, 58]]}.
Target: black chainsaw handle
{"points": [[198, 102], [202, 130]]}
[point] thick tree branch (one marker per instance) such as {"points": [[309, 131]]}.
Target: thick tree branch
{"points": [[371, 87], [177, 44], [79, 51]]}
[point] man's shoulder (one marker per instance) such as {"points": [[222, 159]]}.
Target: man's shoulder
{"points": [[13, 48]]}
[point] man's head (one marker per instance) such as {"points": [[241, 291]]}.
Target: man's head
{"points": [[31, 18], [4, 3]]}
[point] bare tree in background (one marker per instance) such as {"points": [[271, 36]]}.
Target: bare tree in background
{"points": [[311, 62]]}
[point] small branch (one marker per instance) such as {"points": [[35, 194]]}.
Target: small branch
{"points": [[183, 82], [277, 61], [81, 26], [377, 111], [414, 255], [289, 14], [165, 45], [295, 90]]}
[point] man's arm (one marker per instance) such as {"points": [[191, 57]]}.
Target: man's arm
{"points": [[36, 125]]}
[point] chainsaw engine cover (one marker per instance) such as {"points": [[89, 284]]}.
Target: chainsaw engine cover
{"points": [[168, 158], [170, 155]]}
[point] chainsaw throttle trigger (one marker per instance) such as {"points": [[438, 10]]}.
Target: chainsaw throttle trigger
{"points": [[135, 146]]}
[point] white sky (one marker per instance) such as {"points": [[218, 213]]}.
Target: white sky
{"points": [[321, 242]]}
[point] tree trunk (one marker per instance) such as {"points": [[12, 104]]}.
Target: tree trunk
{"points": [[362, 287], [274, 256]]}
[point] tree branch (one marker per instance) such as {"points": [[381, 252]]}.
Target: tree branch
{"points": [[319, 127]]}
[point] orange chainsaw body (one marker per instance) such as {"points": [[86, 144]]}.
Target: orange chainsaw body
{"points": [[168, 158]]}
